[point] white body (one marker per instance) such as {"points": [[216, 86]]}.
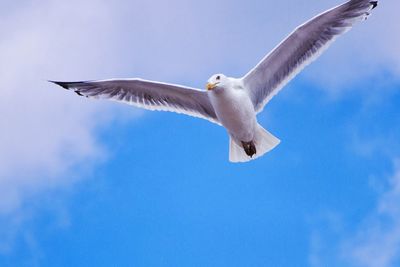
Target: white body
{"points": [[234, 110]]}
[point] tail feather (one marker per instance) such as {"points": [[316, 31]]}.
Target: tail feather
{"points": [[264, 142]]}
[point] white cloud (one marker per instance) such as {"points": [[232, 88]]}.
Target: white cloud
{"points": [[47, 137], [375, 240], [44, 132]]}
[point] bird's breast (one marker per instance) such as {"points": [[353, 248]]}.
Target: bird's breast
{"points": [[235, 111]]}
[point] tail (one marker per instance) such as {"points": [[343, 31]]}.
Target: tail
{"points": [[263, 140]]}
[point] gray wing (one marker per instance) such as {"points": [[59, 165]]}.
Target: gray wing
{"points": [[149, 95], [300, 48]]}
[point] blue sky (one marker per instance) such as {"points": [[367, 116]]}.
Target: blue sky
{"points": [[94, 183]]}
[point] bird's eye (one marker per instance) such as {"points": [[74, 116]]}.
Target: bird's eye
{"points": [[218, 77]]}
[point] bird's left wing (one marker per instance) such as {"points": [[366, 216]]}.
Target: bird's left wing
{"points": [[301, 47], [149, 95]]}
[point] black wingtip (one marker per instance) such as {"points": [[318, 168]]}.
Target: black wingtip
{"points": [[374, 4], [69, 86], [62, 84]]}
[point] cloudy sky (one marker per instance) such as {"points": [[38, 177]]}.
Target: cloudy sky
{"points": [[93, 183]]}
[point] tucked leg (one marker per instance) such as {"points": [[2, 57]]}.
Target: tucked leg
{"points": [[249, 148]]}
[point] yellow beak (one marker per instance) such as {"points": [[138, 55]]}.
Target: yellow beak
{"points": [[211, 86]]}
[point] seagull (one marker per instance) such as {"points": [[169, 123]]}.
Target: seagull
{"points": [[234, 102]]}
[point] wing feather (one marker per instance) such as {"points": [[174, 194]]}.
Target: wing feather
{"points": [[300, 48], [148, 95]]}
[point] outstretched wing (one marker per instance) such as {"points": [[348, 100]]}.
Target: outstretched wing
{"points": [[149, 95], [300, 48]]}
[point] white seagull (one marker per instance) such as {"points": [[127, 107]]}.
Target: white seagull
{"points": [[235, 102]]}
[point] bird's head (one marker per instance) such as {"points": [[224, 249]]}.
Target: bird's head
{"points": [[217, 80]]}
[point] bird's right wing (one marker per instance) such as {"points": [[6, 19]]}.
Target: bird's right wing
{"points": [[300, 48], [149, 95]]}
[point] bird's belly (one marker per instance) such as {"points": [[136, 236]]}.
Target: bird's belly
{"points": [[236, 113]]}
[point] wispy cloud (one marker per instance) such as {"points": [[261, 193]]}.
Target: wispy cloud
{"points": [[375, 240], [44, 132]]}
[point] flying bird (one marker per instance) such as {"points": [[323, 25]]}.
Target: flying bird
{"points": [[235, 102]]}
